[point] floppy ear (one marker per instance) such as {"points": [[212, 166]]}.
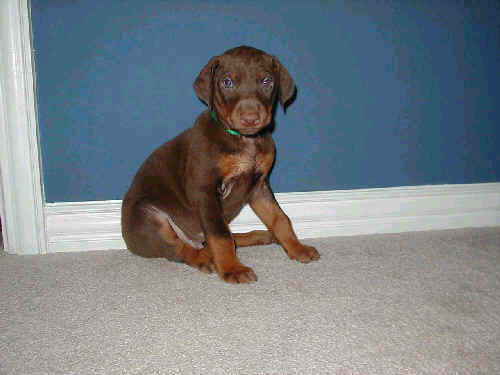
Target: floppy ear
{"points": [[286, 85], [203, 85]]}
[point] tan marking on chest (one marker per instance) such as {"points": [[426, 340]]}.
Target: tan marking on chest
{"points": [[232, 165], [264, 162]]}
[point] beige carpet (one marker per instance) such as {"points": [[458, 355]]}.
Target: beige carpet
{"points": [[411, 303]]}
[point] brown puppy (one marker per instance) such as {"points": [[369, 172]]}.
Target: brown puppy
{"points": [[185, 194]]}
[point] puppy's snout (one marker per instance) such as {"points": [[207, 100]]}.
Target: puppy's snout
{"points": [[250, 114], [250, 118]]}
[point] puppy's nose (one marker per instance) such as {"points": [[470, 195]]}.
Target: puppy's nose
{"points": [[250, 118]]}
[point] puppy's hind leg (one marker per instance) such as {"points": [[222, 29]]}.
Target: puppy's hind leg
{"points": [[201, 259], [140, 224], [255, 237], [154, 237]]}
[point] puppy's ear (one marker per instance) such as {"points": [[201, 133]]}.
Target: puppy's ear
{"points": [[286, 84], [203, 85]]}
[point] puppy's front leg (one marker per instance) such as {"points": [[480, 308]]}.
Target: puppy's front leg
{"points": [[268, 210], [221, 244]]}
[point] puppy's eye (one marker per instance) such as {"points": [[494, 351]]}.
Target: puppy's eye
{"points": [[227, 83], [267, 82]]}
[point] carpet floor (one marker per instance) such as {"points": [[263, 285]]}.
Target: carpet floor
{"points": [[409, 303]]}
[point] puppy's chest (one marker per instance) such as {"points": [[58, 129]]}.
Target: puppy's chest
{"points": [[242, 169]]}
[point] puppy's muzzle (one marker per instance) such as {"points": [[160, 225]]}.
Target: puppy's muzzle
{"points": [[250, 115]]}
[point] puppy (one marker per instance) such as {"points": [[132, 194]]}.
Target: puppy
{"points": [[187, 192]]}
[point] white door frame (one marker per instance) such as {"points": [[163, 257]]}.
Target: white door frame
{"points": [[22, 200]]}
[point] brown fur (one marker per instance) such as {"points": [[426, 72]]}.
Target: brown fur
{"points": [[185, 194]]}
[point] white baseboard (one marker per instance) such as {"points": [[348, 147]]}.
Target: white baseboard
{"points": [[83, 226]]}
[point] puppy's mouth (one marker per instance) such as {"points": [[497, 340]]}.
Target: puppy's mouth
{"points": [[247, 129], [250, 121]]}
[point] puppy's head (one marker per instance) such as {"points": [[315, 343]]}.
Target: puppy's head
{"points": [[241, 86]]}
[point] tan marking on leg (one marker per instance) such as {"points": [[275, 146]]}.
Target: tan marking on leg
{"points": [[256, 237], [197, 258], [276, 220], [227, 264]]}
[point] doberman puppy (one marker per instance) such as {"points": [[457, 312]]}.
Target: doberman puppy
{"points": [[185, 194]]}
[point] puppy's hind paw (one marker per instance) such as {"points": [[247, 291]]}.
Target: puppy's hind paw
{"points": [[304, 254], [239, 275]]}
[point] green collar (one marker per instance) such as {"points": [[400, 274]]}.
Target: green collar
{"points": [[227, 130]]}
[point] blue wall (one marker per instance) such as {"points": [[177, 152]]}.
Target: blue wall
{"points": [[390, 93]]}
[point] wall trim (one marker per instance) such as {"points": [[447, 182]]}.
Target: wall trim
{"points": [[22, 200], [30, 226], [82, 226]]}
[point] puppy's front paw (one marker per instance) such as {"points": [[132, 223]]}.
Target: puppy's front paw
{"points": [[304, 254], [238, 274]]}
